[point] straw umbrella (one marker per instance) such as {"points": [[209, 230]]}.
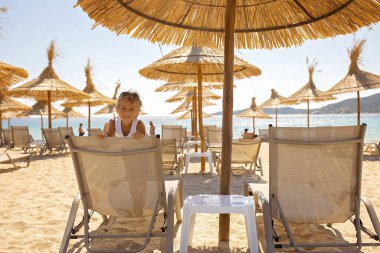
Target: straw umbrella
{"points": [[10, 75], [47, 86], [187, 104], [110, 108], [10, 115], [308, 93], [274, 101], [8, 104], [356, 80], [187, 115], [222, 23], [197, 64], [69, 113], [207, 94], [253, 112], [189, 86], [95, 97]]}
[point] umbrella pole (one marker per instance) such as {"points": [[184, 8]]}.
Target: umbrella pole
{"points": [[195, 118], [224, 219], [253, 125], [308, 114], [9, 123], [49, 108], [42, 126], [89, 118], [67, 120], [1, 121], [358, 107], [276, 115], [200, 118], [193, 124]]}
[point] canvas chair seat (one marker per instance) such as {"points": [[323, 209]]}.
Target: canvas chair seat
{"points": [[22, 139], [122, 177], [177, 132], [94, 131], [53, 140], [7, 140], [170, 155], [314, 178]]}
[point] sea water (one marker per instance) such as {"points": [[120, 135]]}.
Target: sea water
{"points": [[239, 124]]}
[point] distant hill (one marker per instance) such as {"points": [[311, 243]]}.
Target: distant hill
{"points": [[370, 104]]}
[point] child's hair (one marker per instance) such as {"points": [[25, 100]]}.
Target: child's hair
{"points": [[130, 96], [80, 124], [246, 130]]}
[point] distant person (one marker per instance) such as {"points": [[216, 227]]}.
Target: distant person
{"points": [[247, 135], [127, 124], [158, 136], [80, 129], [152, 129]]}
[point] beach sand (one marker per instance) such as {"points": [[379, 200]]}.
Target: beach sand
{"points": [[35, 204]]}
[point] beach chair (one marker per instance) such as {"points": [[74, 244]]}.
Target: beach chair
{"points": [[173, 132], [205, 130], [122, 177], [264, 135], [214, 142], [94, 131], [7, 138], [8, 158], [170, 155], [64, 131], [314, 178], [246, 152], [54, 140], [22, 139], [183, 138]]}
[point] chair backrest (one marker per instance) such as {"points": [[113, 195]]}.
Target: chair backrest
{"points": [[214, 136], [315, 173], [184, 134], [264, 134], [7, 136], [64, 131], [169, 150], [245, 151], [20, 136], [205, 130], [171, 132], [119, 176], [53, 137], [94, 131]]}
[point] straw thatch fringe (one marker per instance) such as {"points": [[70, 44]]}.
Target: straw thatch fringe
{"points": [[189, 86], [187, 115], [41, 108], [274, 100], [259, 24], [90, 87], [10, 75], [187, 104], [181, 65], [8, 104], [117, 88], [188, 96], [356, 79]]}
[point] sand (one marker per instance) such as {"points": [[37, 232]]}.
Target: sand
{"points": [[35, 204]]}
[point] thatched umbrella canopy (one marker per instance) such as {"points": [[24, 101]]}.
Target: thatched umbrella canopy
{"points": [[192, 64], [95, 97], [10, 75], [356, 80], [187, 104], [48, 86], [274, 101], [189, 86], [69, 113], [10, 115], [187, 115], [253, 112], [260, 24], [308, 93], [8, 104], [186, 94]]}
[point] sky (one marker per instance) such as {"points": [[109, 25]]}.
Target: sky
{"points": [[29, 26]]}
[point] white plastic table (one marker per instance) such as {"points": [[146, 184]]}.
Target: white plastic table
{"points": [[191, 143], [218, 204], [207, 155]]}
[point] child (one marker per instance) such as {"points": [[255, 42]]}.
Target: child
{"points": [[128, 107], [80, 130]]}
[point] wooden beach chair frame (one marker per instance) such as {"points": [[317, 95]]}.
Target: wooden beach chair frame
{"points": [[140, 159], [173, 132], [7, 140], [300, 149]]}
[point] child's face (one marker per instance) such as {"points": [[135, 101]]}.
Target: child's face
{"points": [[127, 109]]}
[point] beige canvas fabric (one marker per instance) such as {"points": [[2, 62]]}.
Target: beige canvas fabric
{"points": [[169, 152], [171, 132], [94, 131], [53, 138], [131, 184], [205, 130], [303, 177], [20, 136], [7, 137], [246, 151]]}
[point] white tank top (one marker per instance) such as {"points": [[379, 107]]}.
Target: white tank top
{"points": [[119, 132]]}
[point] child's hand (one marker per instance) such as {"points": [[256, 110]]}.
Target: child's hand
{"points": [[138, 135], [102, 136]]}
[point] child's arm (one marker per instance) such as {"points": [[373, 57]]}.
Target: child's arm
{"points": [[108, 130], [140, 130]]}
